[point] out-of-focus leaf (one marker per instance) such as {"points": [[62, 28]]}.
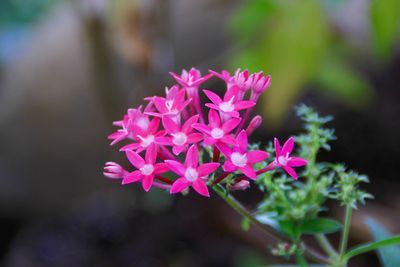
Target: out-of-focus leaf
{"points": [[250, 18], [289, 228], [385, 19], [245, 224], [340, 80], [383, 239], [319, 226], [389, 256], [291, 47]]}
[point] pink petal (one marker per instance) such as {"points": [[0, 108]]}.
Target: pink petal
{"points": [[244, 105], [228, 139], [200, 187], [160, 168], [230, 124], [256, 156], [151, 153], [277, 147], [187, 126], [231, 92], [176, 167], [213, 106], [207, 168], [229, 167], [170, 125], [147, 182], [135, 159], [209, 141], [213, 97], [179, 185], [233, 114], [249, 172], [178, 149], [202, 128], [214, 119], [288, 146], [242, 141], [153, 126], [194, 138], [159, 102], [290, 171], [224, 149], [192, 157], [297, 162], [132, 177], [164, 140]]}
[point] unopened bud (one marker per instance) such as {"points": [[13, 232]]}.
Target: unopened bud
{"points": [[241, 185], [114, 171], [254, 124]]}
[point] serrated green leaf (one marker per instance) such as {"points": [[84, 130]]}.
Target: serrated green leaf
{"points": [[389, 256], [320, 226]]}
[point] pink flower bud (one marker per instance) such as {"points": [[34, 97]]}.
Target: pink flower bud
{"points": [[260, 83], [254, 124], [242, 80], [241, 185], [114, 171]]}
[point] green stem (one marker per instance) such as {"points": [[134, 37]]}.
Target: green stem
{"points": [[346, 230], [326, 246], [268, 230]]}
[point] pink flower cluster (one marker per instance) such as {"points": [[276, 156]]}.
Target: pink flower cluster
{"points": [[174, 125]]}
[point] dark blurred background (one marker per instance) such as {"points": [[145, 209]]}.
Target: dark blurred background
{"points": [[69, 68]]}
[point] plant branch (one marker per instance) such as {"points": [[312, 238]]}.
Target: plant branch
{"points": [[346, 229], [268, 230]]}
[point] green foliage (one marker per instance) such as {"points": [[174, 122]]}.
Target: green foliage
{"points": [[385, 19], [320, 226], [389, 256], [297, 43]]}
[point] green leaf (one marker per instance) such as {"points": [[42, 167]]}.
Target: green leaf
{"points": [[389, 256], [394, 240], [320, 226], [385, 19], [289, 228], [245, 224]]}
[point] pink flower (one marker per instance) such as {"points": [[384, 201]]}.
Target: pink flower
{"points": [[136, 118], [283, 158], [229, 105], [243, 80], [180, 136], [260, 82], [114, 171], [238, 158], [172, 105], [191, 174], [224, 75], [191, 78], [144, 138], [146, 168], [215, 131]]}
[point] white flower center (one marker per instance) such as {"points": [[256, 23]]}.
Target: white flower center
{"points": [[217, 133], [146, 141], [238, 159], [191, 174], [227, 107], [143, 123], [283, 160], [147, 169], [179, 138]]}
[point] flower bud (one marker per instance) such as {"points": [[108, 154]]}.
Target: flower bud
{"points": [[254, 124], [260, 83], [241, 185], [114, 171]]}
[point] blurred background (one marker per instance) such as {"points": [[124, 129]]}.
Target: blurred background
{"points": [[70, 68]]}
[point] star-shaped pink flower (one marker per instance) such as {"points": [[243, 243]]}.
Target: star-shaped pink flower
{"points": [[191, 78], [144, 138], [238, 158], [284, 160], [190, 173], [180, 137], [229, 105], [215, 131], [147, 168]]}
